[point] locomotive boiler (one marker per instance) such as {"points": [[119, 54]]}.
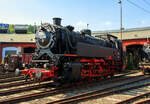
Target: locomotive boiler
{"points": [[66, 55]]}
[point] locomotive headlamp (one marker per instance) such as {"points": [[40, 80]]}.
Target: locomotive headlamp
{"points": [[41, 35], [43, 39], [47, 65], [17, 72], [23, 65]]}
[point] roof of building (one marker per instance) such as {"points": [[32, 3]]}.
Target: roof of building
{"points": [[125, 30], [133, 33], [25, 38]]}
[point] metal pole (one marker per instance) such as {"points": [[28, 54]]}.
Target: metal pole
{"points": [[34, 27], [119, 1], [87, 26]]}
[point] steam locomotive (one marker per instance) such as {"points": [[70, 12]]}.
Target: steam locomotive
{"points": [[11, 62], [65, 55], [144, 65]]}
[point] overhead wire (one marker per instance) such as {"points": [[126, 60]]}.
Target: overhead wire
{"points": [[138, 6]]}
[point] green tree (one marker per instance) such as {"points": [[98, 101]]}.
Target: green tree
{"points": [[31, 29], [11, 29]]}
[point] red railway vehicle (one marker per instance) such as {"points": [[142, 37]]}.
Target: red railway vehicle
{"points": [[14, 61]]}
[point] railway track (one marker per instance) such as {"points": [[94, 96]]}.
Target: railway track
{"points": [[144, 102], [23, 82], [31, 96], [13, 84], [64, 89], [6, 75], [126, 73], [97, 93], [26, 88], [132, 99], [11, 79]]}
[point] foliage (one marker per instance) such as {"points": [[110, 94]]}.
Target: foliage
{"points": [[31, 29], [11, 29]]}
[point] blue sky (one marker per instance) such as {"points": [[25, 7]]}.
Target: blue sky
{"points": [[99, 14]]}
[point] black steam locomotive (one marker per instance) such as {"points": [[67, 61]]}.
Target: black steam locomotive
{"points": [[145, 59], [71, 56]]}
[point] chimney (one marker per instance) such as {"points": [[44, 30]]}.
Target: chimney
{"points": [[57, 21]]}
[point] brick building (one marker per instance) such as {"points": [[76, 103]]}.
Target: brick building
{"points": [[16, 43]]}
